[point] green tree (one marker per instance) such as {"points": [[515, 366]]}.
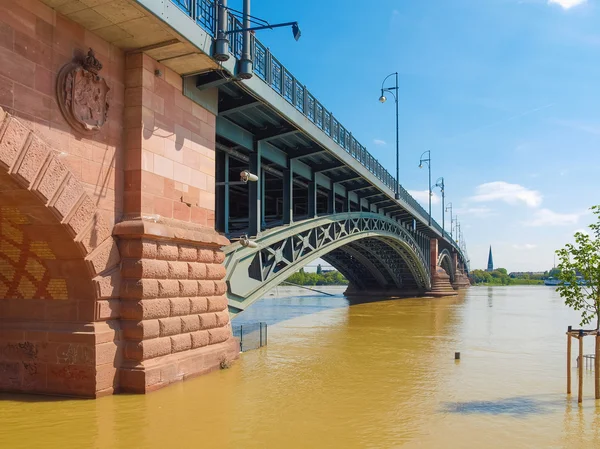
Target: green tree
{"points": [[319, 269], [579, 266]]}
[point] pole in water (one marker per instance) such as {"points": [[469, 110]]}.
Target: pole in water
{"points": [[457, 356]]}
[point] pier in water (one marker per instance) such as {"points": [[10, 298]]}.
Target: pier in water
{"points": [[370, 375]]}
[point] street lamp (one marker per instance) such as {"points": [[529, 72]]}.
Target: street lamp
{"points": [[383, 99], [451, 221], [428, 161], [440, 183]]}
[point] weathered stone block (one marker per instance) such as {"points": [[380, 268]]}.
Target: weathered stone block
{"points": [[206, 288], [200, 339], [217, 303], [196, 270], [215, 272], [190, 323], [170, 326], [188, 288], [198, 305], [218, 335], [208, 320], [181, 342], [179, 306]]}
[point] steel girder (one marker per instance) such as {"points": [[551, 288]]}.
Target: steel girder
{"points": [[281, 251]]}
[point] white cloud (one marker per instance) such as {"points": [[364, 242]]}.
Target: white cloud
{"points": [[379, 142], [546, 217], [509, 193], [566, 4], [526, 246], [479, 212], [422, 196]]}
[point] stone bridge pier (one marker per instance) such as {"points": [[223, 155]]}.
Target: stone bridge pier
{"points": [[111, 275]]}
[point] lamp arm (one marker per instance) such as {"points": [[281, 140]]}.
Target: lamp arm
{"points": [[266, 27], [386, 78], [390, 91]]}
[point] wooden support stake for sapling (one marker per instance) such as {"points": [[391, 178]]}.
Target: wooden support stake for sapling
{"points": [[569, 361], [580, 366]]}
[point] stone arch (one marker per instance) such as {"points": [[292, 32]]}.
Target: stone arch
{"points": [[58, 257], [445, 262]]}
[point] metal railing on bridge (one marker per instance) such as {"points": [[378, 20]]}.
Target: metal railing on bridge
{"points": [[268, 68]]}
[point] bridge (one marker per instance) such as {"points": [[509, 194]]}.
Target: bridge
{"points": [[200, 174]]}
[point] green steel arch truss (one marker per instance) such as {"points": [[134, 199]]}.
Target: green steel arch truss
{"points": [[373, 251]]}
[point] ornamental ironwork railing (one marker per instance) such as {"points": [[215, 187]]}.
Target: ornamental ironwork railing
{"points": [[269, 69]]}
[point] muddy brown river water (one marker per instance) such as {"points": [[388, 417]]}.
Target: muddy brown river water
{"points": [[370, 375]]}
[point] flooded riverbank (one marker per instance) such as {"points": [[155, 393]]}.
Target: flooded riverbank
{"points": [[372, 375]]}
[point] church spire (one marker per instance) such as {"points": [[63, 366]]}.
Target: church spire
{"points": [[490, 266]]}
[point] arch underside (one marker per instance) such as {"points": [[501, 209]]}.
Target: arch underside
{"points": [[374, 265], [376, 255], [445, 261]]}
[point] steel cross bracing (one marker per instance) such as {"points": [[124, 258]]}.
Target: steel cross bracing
{"points": [[372, 250]]}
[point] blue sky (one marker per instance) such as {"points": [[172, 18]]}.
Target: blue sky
{"points": [[505, 94]]}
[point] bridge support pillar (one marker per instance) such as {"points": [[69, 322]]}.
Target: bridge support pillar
{"points": [[461, 280], [440, 280], [174, 315]]}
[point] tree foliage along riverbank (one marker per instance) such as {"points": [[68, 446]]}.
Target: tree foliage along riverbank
{"points": [[500, 277], [319, 278]]}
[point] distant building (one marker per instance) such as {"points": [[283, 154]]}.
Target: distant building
{"points": [[490, 266]]}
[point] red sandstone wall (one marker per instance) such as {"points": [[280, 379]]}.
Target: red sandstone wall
{"points": [[35, 43], [50, 344], [170, 161], [154, 157]]}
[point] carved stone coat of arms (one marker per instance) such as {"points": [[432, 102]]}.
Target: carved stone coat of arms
{"points": [[83, 94]]}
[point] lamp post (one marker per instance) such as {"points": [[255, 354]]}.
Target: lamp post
{"points": [[428, 161], [440, 183], [451, 221], [383, 99]]}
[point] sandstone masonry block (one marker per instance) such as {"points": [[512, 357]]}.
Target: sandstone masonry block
{"points": [[178, 270], [180, 306], [205, 255], [208, 320], [170, 326], [190, 323], [181, 342], [215, 272], [198, 305], [206, 288], [188, 253], [145, 309], [33, 160], [168, 288], [199, 339], [140, 289], [218, 335], [220, 287], [188, 288], [219, 256], [222, 318], [196, 270], [140, 330], [167, 251], [217, 303], [12, 141]]}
